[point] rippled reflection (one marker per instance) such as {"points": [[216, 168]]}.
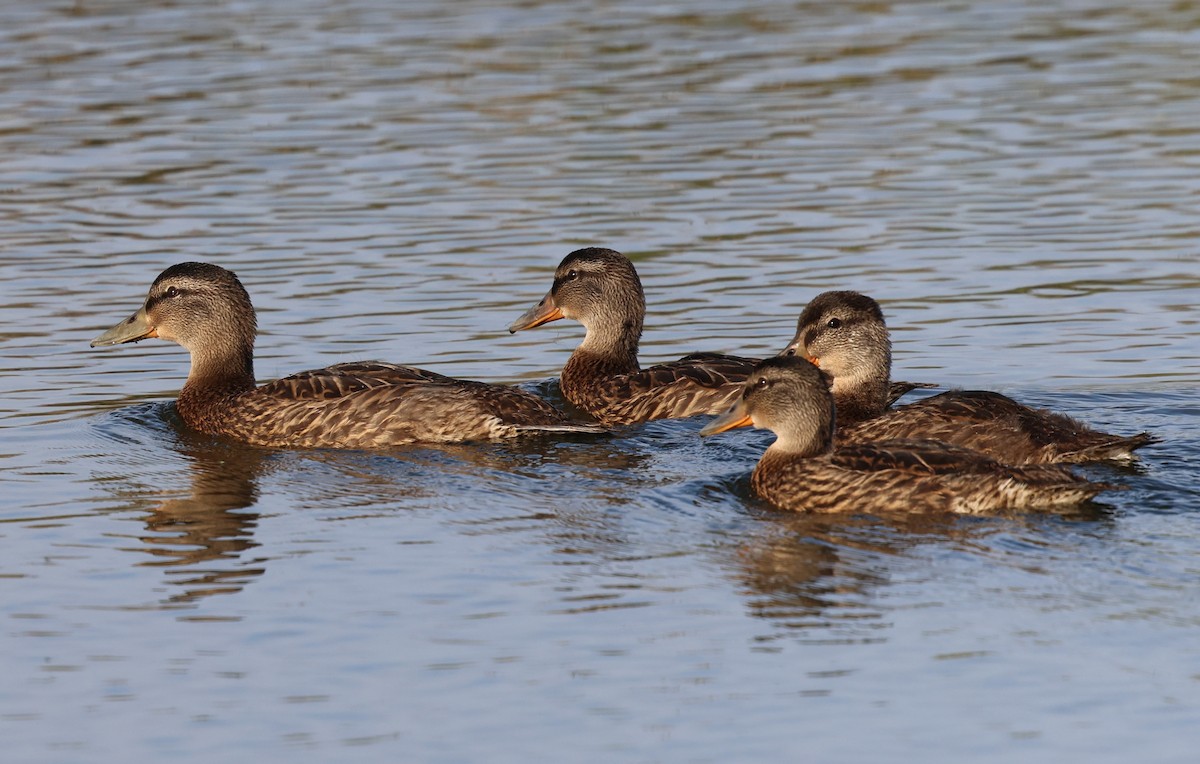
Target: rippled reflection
{"points": [[202, 539], [822, 578]]}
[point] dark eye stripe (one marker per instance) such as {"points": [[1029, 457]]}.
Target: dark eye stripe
{"points": [[571, 275], [170, 293]]}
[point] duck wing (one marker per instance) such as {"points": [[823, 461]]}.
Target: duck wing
{"points": [[348, 378], [931, 457], [999, 427], [914, 456], [517, 408], [376, 404], [933, 475], [903, 476], [701, 383]]}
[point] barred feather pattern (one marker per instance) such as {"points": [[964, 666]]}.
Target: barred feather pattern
{"points": [[847, 335], [914, 476], [370, 405], [366, 404], [997, 426], [701, 383]]}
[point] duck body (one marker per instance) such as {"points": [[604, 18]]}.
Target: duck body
{"points": [[369, 404], [844, 333], [601, 289], [999, 427], [803, 470], [701, 383], [896, 476]]}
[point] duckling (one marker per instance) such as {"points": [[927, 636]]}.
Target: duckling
{"points": [[600, 289], [804, 471], [367, 404], [844, 333]]}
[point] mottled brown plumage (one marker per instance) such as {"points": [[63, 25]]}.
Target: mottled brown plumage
{"points": [[845, 334], [366, 404], [803, 470], [600, 289]]}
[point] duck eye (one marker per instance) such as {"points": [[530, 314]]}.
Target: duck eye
{"points": [[172, 292], [834, 323], [572, 275], [762, 383]]}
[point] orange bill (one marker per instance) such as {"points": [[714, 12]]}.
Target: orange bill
{"points": [[542, 313]]}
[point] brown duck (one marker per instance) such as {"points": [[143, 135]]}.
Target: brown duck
{"points": [[600, 289], [804, 471], [367, 404], [844, 333]]}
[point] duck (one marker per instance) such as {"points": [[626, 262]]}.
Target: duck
{"points": [[806, 470], [600, 289], [361, 405], [844, 333]]}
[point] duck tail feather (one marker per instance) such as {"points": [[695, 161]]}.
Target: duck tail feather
{"points": [[1117, 449], [587, 429]]}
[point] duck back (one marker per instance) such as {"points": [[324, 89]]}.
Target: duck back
{"points": [[914, 476], [371, 405], [701, 383], [998, 426]]}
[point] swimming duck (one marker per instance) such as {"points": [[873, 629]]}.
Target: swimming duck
{"points": [[803, 470], [367, 404], [600, 289], [844, 333]]}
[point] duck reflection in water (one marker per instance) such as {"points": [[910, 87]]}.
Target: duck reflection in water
{"points": [[202, 539], [823, 577]]}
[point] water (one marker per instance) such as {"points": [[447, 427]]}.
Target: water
{"points": [[1016, 182]]}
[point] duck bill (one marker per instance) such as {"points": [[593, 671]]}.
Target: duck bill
{"points": [[793, 348], [736, 416], [797, 348], [136, 327], [542, 313]]}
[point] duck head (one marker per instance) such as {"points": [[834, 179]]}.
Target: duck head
{"points": [[200, 306], [845, 334], [788, 396], [600, 289]]}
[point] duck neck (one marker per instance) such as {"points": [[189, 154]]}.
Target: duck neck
{"points": [[861, 390], [608, 349], [860, 400], [218, 375], [813, 442]]}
